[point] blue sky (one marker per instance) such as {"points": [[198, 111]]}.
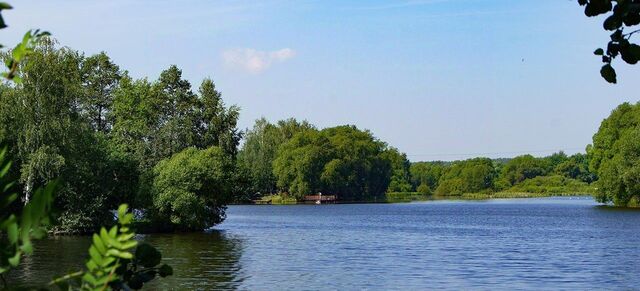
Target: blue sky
{"points": [[439, 79]]}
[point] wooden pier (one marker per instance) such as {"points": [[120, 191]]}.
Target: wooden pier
{"points": [[320, 199]]}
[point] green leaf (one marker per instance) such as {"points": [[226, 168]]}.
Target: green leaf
{"points": [[122, 210], [97, 242], [119, 254], [12, 233], [5, 6], [89, 279], [15, 260], [599, 52], [608, 73], [95, 255]]}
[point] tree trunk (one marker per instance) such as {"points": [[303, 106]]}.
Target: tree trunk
{"points": [[28, 188]]}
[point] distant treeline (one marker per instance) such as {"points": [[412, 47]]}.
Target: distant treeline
{"points": [[296, 159], [554, 174]]}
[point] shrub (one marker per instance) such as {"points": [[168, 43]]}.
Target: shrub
{"points": [[191, 189]]}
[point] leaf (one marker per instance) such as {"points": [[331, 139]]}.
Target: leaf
{"points": [[599, 52], [634, 49], [12, 233], [608, 73], [89, 279], [15, 260], [97, 242], [122, 210], [95, 255], [165, 270], [5, 5], [119, 254], [628, 54], [148, 256], [612, 22]]}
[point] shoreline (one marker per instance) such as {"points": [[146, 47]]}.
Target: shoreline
{"points": [[412, 197]]}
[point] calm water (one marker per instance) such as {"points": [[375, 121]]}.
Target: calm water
{"points": [[549, 243]]}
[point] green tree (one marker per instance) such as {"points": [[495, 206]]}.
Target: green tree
{"points": [[261, 147], [218, 124], [49, 138], [469, 176], [555, 159], [192, 188], [614, 157], [523, 167], [576, 167], [400, 177], [427, 174], [100, 77], [339, 160]]}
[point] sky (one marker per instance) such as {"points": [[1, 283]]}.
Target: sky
{"points": [[437, 79]]}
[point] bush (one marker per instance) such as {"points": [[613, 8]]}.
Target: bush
{"points": [[191, 189], [552, 185], [424, 189]]}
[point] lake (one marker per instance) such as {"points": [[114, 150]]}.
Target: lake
{"points": [[540, 243]]}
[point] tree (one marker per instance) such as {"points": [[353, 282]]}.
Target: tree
{"points": [[261, 147], [576, 167], [218, 123], [340, 160], [192, 188], [621, 18], [555, 159], [400, 177], [100, 77], [469, 176], [523, 167], [614, 157], [427, 174], [178, 116]]}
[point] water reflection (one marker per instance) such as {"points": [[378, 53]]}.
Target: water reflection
{"points": [[208, 260]]}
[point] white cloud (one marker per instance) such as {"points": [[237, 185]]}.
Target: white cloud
{"points": [[255, 61]]}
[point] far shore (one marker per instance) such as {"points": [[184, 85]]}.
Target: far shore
{"points": [[404, 197]]}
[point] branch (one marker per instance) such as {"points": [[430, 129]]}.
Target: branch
{"points": [[628, 35], [66, 277]]}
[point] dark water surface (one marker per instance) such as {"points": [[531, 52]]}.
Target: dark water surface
{"points": [[546, 243]]}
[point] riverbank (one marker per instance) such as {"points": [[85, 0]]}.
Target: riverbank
{"points": [[403, 197]]}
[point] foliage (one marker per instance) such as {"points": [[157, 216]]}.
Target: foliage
{"points": [[18, 228], [615, 157], [261, 147], [625, 14], [49, 137], [191, 189], [521, 168], [469, 176], [340, 160], [400, 165], [85, 121], [555, 184], [113, 265], [100, 77], [576, 167], [426, 174], [29, 41], [424, 189]]}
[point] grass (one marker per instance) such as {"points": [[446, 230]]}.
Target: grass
{"points": [[277, 199]]}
